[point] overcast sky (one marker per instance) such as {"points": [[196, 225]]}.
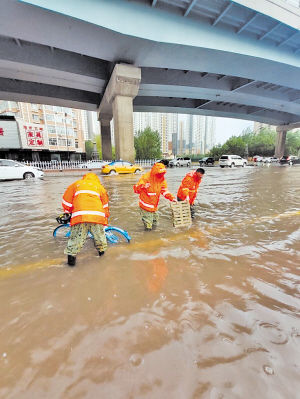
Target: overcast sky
{"points": [[226, 127]]}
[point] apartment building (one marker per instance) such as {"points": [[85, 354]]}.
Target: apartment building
{"points": [[164, 123], [51, 132]]}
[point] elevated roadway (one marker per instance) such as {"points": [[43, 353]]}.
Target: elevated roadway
{"points": [[238, 59]]}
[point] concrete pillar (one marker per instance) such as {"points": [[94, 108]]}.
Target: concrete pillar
{"points": [[280, 143], [122, 88], [106, 140], [123, 128]]}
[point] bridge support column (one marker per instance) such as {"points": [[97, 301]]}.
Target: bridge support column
{"points": [[123, 128], [280, 142], [106, 139], [122, 88]]}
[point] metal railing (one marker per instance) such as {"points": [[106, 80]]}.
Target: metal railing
{"points": [[62, 165], [145, 162], [57, 165]]}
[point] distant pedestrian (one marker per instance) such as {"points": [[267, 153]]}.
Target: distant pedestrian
{"points": [[87, 201], [189, 188], [150, 186]]}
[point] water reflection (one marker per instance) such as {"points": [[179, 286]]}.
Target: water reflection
{"points": [[208, 312]]}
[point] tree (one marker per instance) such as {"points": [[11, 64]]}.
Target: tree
{"points": [[89, 146], [147, 144], [293, 142], [261, 143]]}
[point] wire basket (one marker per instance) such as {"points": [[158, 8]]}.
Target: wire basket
{"points": [[181, 214]]}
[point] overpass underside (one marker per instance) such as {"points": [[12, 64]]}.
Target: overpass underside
{"points": [[216, 58]]}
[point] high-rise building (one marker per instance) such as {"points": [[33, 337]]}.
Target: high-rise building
{"points": [[210, 133], [199, 131], [164, 123], [63, 129]]}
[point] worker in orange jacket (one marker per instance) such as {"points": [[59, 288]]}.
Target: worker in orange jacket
{"points": [[189, 187], [150, 186], [87, 201]]}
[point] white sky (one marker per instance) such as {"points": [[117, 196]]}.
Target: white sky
{"points": [[226, 127]]}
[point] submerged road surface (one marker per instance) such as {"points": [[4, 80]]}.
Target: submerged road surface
{"points": [[206, 312]]}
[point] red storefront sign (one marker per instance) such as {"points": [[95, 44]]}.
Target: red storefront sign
{"points": [[34, 136]]}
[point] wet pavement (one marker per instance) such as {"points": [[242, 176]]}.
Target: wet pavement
{"points": [[206, 312]]}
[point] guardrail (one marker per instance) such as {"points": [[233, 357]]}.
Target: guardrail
{"points": [[145, 162], [50, 165]]}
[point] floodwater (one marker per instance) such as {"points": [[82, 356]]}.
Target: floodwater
{"points": [[206, 312]]}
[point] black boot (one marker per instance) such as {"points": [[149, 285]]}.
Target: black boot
{"points": [[71, 260], [101, 253]]}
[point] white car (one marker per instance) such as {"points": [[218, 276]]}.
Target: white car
{"points": [[180, 162], [10, 170], [231, 161], [92, 165]]}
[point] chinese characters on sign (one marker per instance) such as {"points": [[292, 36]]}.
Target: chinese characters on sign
{"points": [[34, 136], [1, 131]]}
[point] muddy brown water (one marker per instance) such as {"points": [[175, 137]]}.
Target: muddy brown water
{"points": [[206, 312]]}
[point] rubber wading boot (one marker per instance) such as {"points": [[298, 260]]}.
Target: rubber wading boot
{"points": [[71, 260], [101, 253]]}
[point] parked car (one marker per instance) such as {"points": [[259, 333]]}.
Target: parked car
{"points": [[257, 158], [92, 165], [274, 159], [207, 161], [120, 167], [180, 162], [232, 161], [164, 161], [10, 170], [289, 160]]}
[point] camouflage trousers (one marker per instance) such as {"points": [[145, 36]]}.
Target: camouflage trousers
{"points": [[150, 219], [79, 233]]}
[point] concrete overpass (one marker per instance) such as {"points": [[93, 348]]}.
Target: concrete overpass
{"points": [[210, 57]]}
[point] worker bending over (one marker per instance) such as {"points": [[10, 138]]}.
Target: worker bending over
{"points": [[150, 186], [189, 187], [87, 201]]}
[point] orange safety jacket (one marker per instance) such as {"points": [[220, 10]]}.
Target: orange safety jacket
{"points": [[189, 187], [87, 200], [150, 186]]}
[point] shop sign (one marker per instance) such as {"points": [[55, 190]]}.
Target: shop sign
{"points": [[34, 135]]}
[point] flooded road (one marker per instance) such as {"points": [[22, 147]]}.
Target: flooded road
{"points": [[206, 312]]}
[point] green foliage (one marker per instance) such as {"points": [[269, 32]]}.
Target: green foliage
{"points": [[98, 144], [147, 144], [293, 143], [248, 143], [89, 146], [262, 143]]}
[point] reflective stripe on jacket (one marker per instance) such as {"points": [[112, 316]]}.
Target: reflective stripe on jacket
{"points": [[150, 186], [189, 187], [87, 200]]}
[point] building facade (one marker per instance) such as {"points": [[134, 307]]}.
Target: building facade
{"points": [[164, 123], [45, 132], [197, 134]]}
